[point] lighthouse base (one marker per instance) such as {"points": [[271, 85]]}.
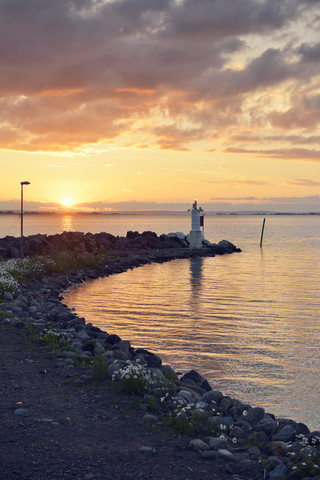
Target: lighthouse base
{"points": [[195, 239]]}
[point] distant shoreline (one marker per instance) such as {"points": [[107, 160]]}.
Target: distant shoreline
{"points": [[155, 213]]}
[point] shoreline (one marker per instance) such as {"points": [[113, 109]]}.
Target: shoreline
{"points": [[233, 423]]}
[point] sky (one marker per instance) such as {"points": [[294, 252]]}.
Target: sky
{"points": [[150, 104]]}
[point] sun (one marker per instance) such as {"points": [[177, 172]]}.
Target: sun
{"points": [[67, 202]]}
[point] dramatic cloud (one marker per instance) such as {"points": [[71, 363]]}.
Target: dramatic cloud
{"points": [[161, 72]]}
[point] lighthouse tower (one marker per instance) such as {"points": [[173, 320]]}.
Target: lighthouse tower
{"points": [[196, 236]]}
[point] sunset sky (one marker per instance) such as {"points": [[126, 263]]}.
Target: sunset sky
{"points": [[149, 104]]}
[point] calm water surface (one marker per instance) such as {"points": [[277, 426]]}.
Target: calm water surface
{"points": [[249, 321]]}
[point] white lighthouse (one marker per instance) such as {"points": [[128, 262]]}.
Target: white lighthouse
{"points": [[196, 236]]}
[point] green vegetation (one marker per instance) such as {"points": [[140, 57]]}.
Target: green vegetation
{"points": [[14, 270], [99, 368]]}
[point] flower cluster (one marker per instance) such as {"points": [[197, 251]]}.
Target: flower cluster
{"points": [[13, 270], [8, 281], [134, 377], [308, 459], [189, 418]]}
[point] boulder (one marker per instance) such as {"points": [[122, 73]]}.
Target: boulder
{"points": [[197, 379]]}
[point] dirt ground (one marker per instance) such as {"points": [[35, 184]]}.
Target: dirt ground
{"points": [[86, 432]]}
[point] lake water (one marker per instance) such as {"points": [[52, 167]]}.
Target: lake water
{"points": [[249, 322]]}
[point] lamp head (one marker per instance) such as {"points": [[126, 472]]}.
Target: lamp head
{"points": [[24, 183]]}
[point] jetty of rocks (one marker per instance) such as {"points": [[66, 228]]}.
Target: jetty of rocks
{"points": [[40, 244], [248, 441]]}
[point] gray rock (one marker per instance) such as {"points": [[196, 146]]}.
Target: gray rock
{"points": [[7, 296], [197, 379], [125, 346], [267, 425], [210, 454], [157, 374], [225, 403], [249, 466], [287, 434], [198, 445], [217, 443], [212, 396], [227, 421], [225, 454], [118, 354], [98, 349], [115, 366], [22, 412], [254, 452], [169, 373], [187, 396], [261, 437], [255, 415], [271, 463], [279, 471], [215, 421], [82, 335], [238, 433], [245, 426], [22, 299]]}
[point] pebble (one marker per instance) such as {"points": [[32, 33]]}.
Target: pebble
{"points": [[151, 418], [22, 412], [146, 449]]}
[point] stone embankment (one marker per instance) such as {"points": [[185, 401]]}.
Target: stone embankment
{"points": [[245, 440], [10, 247]]}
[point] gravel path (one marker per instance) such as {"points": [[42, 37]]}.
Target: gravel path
{"points": [[53, 428]]}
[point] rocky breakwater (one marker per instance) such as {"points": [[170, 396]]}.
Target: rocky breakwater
{"points": [[10, 247], [243, 440]]}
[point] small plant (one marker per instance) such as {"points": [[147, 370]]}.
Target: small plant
{"points": [[99, 368], [134, 378], [54, 341], [186, 418], [4, 314]]}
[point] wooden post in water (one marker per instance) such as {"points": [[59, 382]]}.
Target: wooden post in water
{"points": [[261, 238]]}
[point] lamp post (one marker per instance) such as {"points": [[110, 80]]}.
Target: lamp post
{"points": [[22, 183]]}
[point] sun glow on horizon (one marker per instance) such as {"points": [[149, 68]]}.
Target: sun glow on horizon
{"points": [[67, 202]]}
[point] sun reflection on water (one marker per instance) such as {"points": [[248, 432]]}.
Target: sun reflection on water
{"points": [[67, 223]]}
